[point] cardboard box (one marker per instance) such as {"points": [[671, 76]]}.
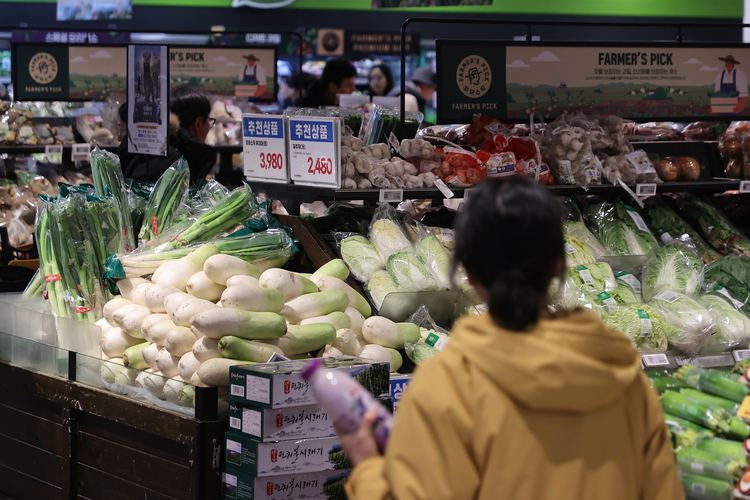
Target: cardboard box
{"points": [[397, 388], [313, 485], [254, 458], [280, 385], [283, 424]]}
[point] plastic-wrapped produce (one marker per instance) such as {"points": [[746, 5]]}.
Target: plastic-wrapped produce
{"points": [[612, 126], [361, 256], [409, 272], [386, 232], [578, 230], [669, 225], [715, 228], [570, 146], [621, 229], [380, 285], [631, 168], [645, 326], [690, 324], [672, 267], [732, 327]]}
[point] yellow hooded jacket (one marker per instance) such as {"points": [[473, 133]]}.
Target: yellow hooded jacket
{"points": [[561, 412]]}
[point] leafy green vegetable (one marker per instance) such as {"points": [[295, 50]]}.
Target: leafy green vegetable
{"points": [[643, 325], [689, 323], [577, 229], [665, 219], [624, 295], [380, 285], [621, 229], [715, 228], [409, 272], [388, 238], [361, 256], [168, 194], [433, 253], [108, 179], [733, 273], [577, 252], [675, 268], [420, 352], [597, 277], [732, 327]]}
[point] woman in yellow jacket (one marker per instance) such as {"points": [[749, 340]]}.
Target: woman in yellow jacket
{"points": [[522, 404]]}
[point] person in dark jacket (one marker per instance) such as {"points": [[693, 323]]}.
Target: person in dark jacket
{"points": [[421, 85], [187, 130], [338, 78]]}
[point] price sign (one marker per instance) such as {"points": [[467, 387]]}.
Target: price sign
{"points": [[264, 148], [81, 152], [314, 154], [392, 195], [741, 354], [652, 360], [645, 189], [745, 187], [53, 149]]}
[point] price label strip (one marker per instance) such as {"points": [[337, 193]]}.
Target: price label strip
{"points": [[645, 189], [745, 187], [314, 151], [81, 152], [392, 195], [655, 360], [740, 354], [264, 148], [53, 149]]}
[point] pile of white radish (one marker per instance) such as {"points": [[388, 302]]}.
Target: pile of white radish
{"points": [[205, 312]]}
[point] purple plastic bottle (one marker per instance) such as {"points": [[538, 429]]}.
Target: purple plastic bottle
{"points": [[346, 401]]}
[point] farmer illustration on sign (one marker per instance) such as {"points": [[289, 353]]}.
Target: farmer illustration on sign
{"points": [[731, 83], [253, 74]]}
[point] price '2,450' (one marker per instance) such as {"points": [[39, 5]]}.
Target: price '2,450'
{"points": [[322, 166], [271, 160]]}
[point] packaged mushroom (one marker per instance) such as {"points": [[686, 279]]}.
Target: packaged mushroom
{"points": [[631, 168], [569, 147], [416, 148]]}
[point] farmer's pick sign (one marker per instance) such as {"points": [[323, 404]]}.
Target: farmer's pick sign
{"points": [[643, 83]]}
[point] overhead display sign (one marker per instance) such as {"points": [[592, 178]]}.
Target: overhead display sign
{"points": [[65, 72], [241, 72], [380, 43], [148, 99], [66, 36], [661, 82]]}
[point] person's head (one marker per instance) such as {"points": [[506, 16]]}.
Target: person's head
{"points": [[381, 80], [424, 79], [729, 63], [192, 108], [509, 239], [338, 77], [251, 59], [122, 127], [298, 83]]}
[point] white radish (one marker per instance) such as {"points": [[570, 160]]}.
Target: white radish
{"points": [[187, 365], [356, 318], [356, 300], [115, 341], [155, 296], [171, 390], [179, 341], [150, 354], [120, 314], [159, 331], [347, 342], [203, 288], [252, 299], [243, 280], [316, 319], [178, 272], [133, 322], [126, 376], [196, 380], [184, 312], [382, 331], [159, 270], [329, 352], [102, 323], [215, 372], [138, 295], [167, 363], [220, 267], [151, 321], [314, 304], [384, 355], [127, 285], [206, 348], [290, 284], [110, 369], [152, 382], [113, 305]]}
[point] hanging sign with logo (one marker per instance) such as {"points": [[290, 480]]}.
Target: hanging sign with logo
{"points": [[41, 72], [148, 99]]}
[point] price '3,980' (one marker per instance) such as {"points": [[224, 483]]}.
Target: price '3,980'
{"points": [[271, 160], [322, 166]]}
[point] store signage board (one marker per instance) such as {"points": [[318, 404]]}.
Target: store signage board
{"points": [[65, 36], [248, 72], [357, 43], [314, 151], [264, 148], [509, 81], [59, 71], [148, 99]]}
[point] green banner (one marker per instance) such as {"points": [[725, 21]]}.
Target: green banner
{"points": [[41, 72]]}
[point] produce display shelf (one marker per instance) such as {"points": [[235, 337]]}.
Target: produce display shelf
{"points": [[674, 359]]}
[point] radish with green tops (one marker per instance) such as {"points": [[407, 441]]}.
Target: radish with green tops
{"points": [[178, 272], [133, 357], [216, 323], [384, 332], [251, 350], [355, 298], [219, 268], [383, 354], [290, 284], [300, 339], [314, 304], [356, 319], [252, 299]]}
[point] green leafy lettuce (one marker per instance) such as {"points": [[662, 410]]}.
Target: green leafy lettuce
{"points": [[361, 257], [665, 219], [732, 327], [437, 259], [409, 272], [673, 267], [380, 285], [618, 231], [642, 324], [690, 324]]}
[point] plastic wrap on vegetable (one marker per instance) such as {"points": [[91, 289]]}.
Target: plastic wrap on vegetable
{"points": [[682, 436], [697, 486], [672, 267], [631, 168], [613, 127], [621, 229], [715, 228], [409, 272], [419, 352], [461, 167], [625, 295], [437, 259], [629, 281], [702, 431], [709, 463], [168, 194], [669, 225], [732, 327], [643, 325], [386, 232], [731, 272], [714, 382], [570, 146], [585, 242], [596, 277], [361, 256], [689, 324], [380, 285], [662, 384], [105, 168], [713, 418]]}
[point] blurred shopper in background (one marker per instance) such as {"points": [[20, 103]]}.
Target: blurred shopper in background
{"points": [[380, 80], [337, 78]]}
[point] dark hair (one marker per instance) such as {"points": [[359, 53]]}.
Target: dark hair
{"points": [[294, 80], [188, 104], [123, 112], [388, 78], [336, 70], [509, 237]]}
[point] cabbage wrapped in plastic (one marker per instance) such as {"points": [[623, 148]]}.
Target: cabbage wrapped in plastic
{"points": [[625, 295], [577, 252], [410, 273], [361, 256], [732, 327], [673, 267], [596, 277], [437, 259], [388, 238], [577, 229], [645, 326], [380, 285], [690, 324]]}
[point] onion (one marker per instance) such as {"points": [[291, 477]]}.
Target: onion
{"points": [[668, 170], [733, 169], [730, 148], [690, 169]]}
